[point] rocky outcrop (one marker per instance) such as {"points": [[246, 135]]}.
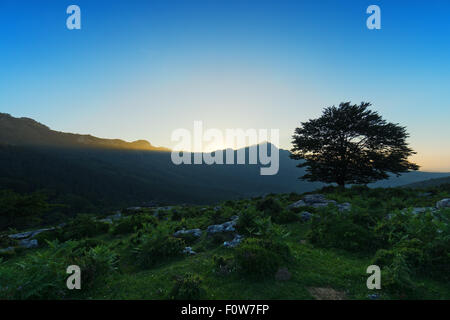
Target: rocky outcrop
{"points": [[318, 201], [306, 216], [112, 218], [28, 243], [233, 243], [194, 232], [228, 226], [344, 206], [189, 251], [444, 203], [28, 234]]}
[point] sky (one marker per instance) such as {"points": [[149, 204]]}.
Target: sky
{"points": [[142, 69]]}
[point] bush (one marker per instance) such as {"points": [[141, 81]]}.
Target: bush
{"points": [[157, 247], [187, 287], [269, 206], [247, 221], [132, 223], [83, 226], [259, 258], [396, 277], [41, 275], [223, 266], [342, 230], [96, 262]]}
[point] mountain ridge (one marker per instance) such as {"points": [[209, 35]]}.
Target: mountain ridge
{"points": [[29, 132]]}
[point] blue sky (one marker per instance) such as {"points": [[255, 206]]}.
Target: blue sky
{"points": [[141, 69]]}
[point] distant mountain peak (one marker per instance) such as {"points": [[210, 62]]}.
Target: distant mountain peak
{"points": [[29, 132]]}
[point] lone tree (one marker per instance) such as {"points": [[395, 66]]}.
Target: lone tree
{"points": [[351, 144]]}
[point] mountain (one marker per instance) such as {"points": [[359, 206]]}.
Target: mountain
{"points": [[89, 173], [28, 132], [429, 183]]}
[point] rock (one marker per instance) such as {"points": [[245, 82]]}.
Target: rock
{"points": [[314, 198], [7, 250], [373, 296], [195, 232], [344, 206], [28, 243], [424, 194], [224, 227], [134, 209], [233, 243], [111, 218], [315, 201], [322, 204], [188, 250], [283, 274], [306, 216], [297, 204], [116, 216], [28, 234], [444, 203], [421, 210]]}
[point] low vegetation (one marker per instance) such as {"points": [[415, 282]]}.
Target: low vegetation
{"points": [[282, 254]]}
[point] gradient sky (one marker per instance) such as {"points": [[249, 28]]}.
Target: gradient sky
{"points": [[141, 69]]}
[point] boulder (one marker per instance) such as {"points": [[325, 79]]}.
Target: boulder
{"points": [[228, 226], [134, 209], [188, 250], [195, 232], [421, 210], [28, 243], [344, 206], [314, 198], [306, 216], [28, 234], [111, 218], [233, 243], [444, 203], [297, 204], [7, 250]]}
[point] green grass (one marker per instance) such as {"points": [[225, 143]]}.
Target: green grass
{"points": [[311, 266]]}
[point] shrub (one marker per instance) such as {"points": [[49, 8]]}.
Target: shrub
{"points": [[132, 223], [187, 287], [340, 230], [157, 247], [41, 275], [247, 221], [96, 262], [396, 277], [83, 226], [269, 206], [259, 258], [223, 266]]}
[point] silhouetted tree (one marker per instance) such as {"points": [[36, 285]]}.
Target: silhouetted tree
{"points": [[351, 144]]}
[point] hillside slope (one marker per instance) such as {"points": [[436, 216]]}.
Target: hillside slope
{"points": [[429, 183], [90, 173]]}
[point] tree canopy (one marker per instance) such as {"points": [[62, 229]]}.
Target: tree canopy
{"points": [[351, 144]]}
